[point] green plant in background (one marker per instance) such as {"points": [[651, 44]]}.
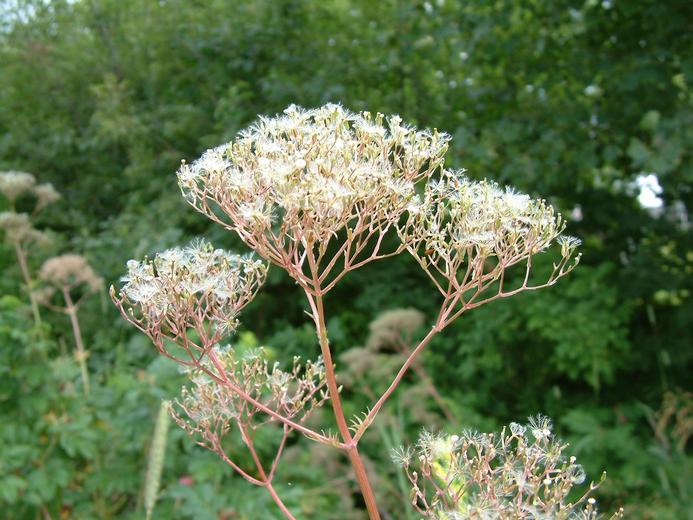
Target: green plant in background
{"points": [[317, 192], [155, 463]]}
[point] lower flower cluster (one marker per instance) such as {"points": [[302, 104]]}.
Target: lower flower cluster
{"points": [[521, 473]]}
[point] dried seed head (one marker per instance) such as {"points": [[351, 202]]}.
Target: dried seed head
{"points": [[18, 229], [14, 184], [210, 407], [461, 223], [540, 426], [458, 214], [396, 325], [46, 194], [483, 475], [70, 271]]}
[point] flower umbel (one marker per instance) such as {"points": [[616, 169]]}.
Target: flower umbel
{"points": [[211, 409], [506, 476], [292, 182], [465, 234], [14, 184], [197, 287], [70, 271]]}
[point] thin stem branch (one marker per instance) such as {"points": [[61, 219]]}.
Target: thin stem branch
{"points": [[23, 266], [81, 354], [280, 450], [266, 481], [396, 381]]}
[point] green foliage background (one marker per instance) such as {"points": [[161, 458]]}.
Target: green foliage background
{"points": [[569, 100]]}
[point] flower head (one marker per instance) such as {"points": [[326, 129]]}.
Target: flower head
{"points": [[70, 271], [478, 230], [506, 475], [18, 229], [189, 287], [45, 194], [209, 408], [312, 172], [14, 184]]}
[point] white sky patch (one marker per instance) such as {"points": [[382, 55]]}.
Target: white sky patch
{"points": [[650, 190]]}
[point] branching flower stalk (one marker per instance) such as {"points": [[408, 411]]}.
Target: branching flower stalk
{"points": [[19, 232], [65, 274], [316, 192], [187, 300]]}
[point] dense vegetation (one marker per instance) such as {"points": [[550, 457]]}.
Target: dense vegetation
{"points": [[574, 101]]}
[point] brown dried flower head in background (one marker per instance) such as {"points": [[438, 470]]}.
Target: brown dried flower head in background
{"points": [[18, 230], [14, 184], [393, 328], [70, 271], [45, 194]]}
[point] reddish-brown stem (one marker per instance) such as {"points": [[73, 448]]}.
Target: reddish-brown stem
{"points": [[352, 450], [219, 450], [23, 266], [423, 375], [266, 481], [396, 381], [79, 344], [280, 450], [278, 500], [318, 313]]}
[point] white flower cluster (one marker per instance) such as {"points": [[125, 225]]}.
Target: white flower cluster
{"points": [[187, 287], [458, 215], [508, 476], [459, 220], [290, 183], [313, 172]]}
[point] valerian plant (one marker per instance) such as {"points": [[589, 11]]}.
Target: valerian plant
{"points": [[316, 192]]}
